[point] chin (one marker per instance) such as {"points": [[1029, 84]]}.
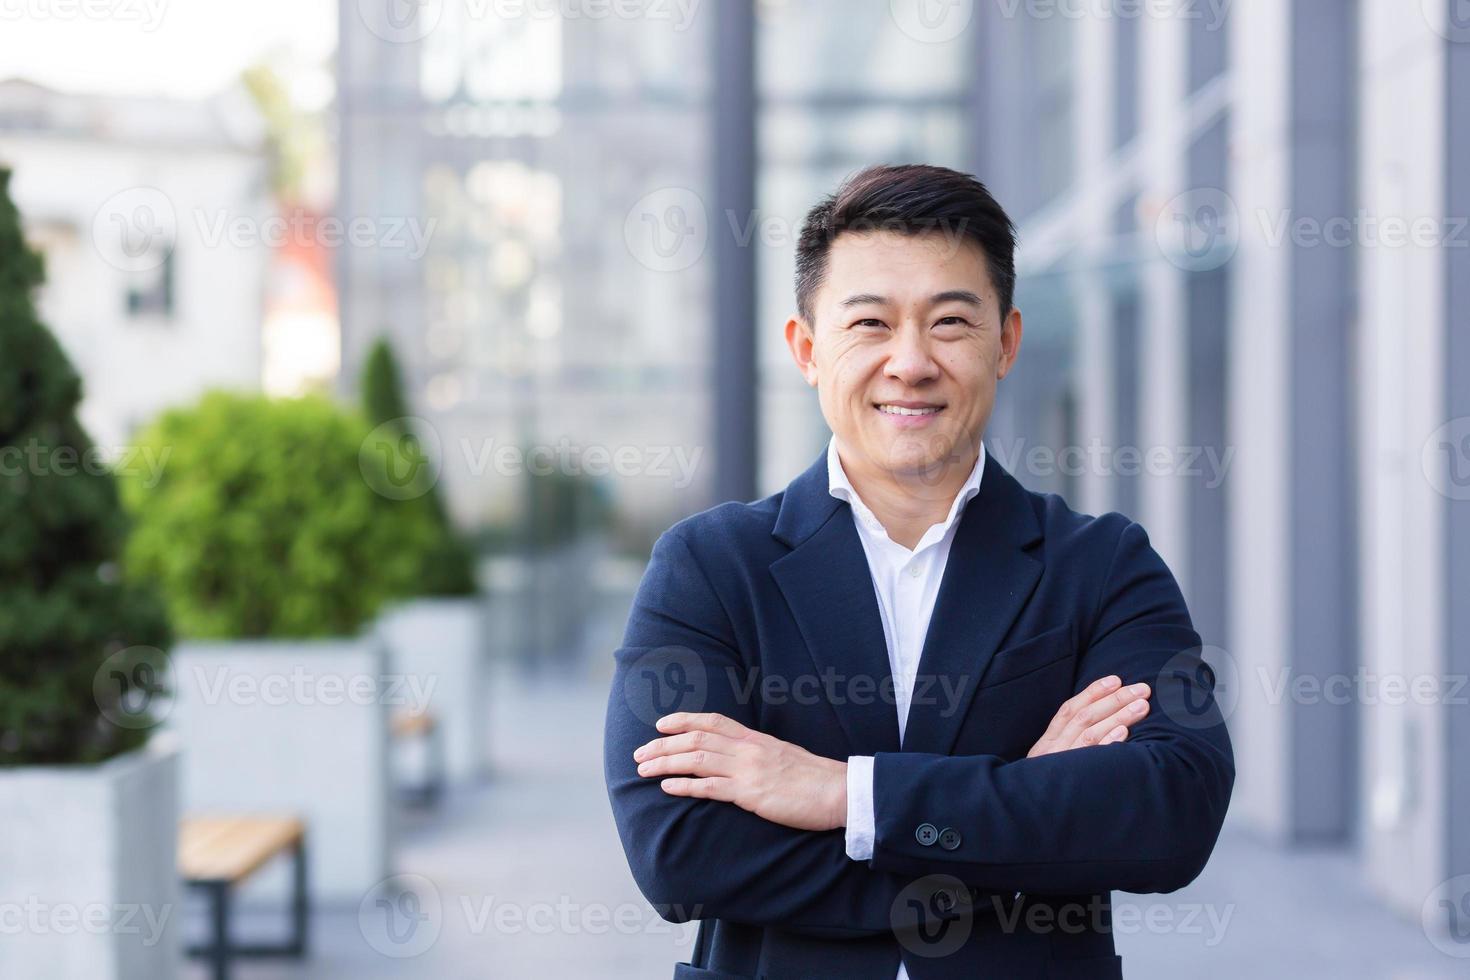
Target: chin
{"points": [[914, 455]]}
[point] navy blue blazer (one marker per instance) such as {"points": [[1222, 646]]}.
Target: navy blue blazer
{"points": [[986, 863]]}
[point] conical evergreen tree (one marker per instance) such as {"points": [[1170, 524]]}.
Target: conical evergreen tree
{"points": [[448, 567], [76, 642]]}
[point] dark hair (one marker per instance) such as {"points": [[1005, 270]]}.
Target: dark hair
{"points": [[910, 199]]}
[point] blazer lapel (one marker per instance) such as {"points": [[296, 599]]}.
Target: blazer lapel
{"points": [[826, 582], [990, 575]]}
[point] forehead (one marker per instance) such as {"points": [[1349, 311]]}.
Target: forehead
{"points": [[903, 264]]}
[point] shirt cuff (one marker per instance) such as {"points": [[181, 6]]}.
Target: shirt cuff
{"points": [[860, 829]]}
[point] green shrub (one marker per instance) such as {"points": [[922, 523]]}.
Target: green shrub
{"points": [[266, 521], [66, 619], [449, 567]]}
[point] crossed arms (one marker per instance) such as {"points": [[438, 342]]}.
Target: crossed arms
{"points": [[722, 821]]}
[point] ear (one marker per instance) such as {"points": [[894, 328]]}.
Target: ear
{"points": [[799, 339], [1010, 343]]}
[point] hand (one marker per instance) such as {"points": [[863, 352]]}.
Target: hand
{"points": [[712, 757], [1099, 715]]}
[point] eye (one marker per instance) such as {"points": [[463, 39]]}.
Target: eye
{"points": [[953, 321], [869, 323]]}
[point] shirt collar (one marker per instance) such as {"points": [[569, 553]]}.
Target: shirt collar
{"points": [[839, 486]]}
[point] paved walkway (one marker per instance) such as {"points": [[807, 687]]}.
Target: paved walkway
{"points": [[530, 883]]}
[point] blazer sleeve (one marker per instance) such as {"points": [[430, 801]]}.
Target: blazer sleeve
{"points": [[705, 859], [1140, 816]]}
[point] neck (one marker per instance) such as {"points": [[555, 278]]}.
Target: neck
{"points": [[908, 504]]}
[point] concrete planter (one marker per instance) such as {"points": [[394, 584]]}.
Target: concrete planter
{"points": [[88, 886], [297, 727], [440, 645]]}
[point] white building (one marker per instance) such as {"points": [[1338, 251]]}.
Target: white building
{"points": [[151, 216]]}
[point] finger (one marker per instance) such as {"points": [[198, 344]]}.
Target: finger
{"points": [[683, 721], [704, 787], [685, 742], [1116, 735], [1099, 688], [700, 763], [1106, 707], [1133, 713]]}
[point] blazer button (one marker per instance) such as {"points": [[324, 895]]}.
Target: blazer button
{"points": [[927, 834], [944, 900], [949, 839]]}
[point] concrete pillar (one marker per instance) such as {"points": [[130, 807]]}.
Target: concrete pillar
{"points": [[1405, 477], [1457, 406], [1094, 370], [1291, 547], [733, 164], [1163, 401]]}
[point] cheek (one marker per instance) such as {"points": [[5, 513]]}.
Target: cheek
{"points": [[972, 366], [848, 372]]}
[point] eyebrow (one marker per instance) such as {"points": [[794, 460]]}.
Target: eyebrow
{"points": [[948, 296]]}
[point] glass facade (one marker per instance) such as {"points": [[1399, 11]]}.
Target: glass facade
{"points": [[840, 86]]}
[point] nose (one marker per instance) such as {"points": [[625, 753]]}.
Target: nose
{"points": [[910, 360]]}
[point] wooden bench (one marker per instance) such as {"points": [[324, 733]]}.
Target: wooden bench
{"points": [[423, 726], [218, 852]]}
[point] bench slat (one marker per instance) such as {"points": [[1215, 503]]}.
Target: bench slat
{"points": [[411, 725], [232, 848]]}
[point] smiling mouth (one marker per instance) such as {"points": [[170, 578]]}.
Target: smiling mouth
{"points": [[890, 409]]}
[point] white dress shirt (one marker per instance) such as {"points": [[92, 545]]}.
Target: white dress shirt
{"points": [[907, 585]]}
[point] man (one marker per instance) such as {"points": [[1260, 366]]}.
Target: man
{"points": [[905, 718]]}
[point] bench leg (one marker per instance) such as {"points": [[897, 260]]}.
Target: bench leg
{"points": [[219, 919], [300, 905], [439, 766], [219, 952]]}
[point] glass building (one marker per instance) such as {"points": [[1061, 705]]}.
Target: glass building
{"points": [[1226, 336]]}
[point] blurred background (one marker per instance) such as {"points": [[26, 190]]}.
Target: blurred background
{"points": [[391, 333]]}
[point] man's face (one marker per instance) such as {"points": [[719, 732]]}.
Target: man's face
{"points": [[905, 349]]}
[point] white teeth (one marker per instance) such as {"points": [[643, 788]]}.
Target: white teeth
{"points": [[899, 410]]}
